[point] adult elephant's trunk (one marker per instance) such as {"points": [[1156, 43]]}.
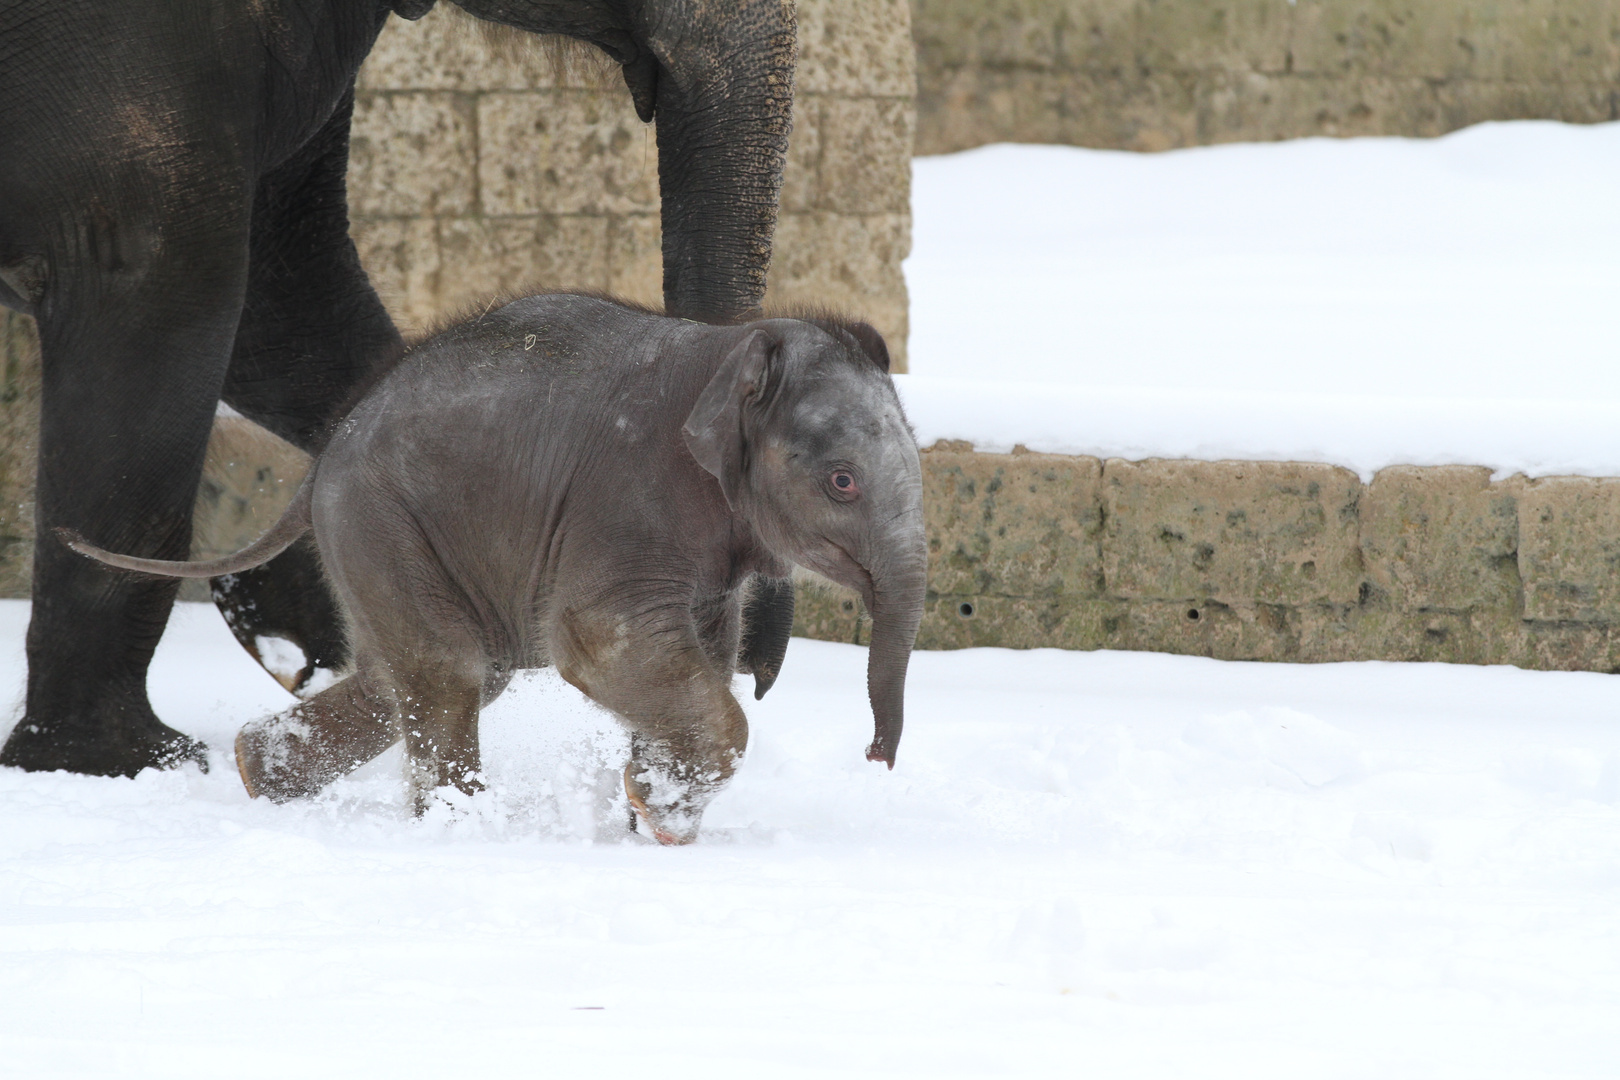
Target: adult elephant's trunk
{"points": [[723, 88], [896, 606]]}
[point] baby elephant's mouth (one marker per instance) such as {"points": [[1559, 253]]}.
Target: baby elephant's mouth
{"points": [[834, 562]]}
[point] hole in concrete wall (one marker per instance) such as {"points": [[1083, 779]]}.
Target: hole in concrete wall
{"points": [[848, 605], [1193, 614], [965, 609]]}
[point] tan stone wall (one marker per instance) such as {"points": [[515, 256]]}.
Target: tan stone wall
{"points": [[1156, 74], [1260, 561], [19, 441], [479, 169]]}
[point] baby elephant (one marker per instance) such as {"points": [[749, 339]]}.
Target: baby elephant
{"points": [[570, 481]]}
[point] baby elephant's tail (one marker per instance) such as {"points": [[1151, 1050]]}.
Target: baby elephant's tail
{"points": [[292, 524]]}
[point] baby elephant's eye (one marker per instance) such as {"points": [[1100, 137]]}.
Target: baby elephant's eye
{"points": [[844, 483]]}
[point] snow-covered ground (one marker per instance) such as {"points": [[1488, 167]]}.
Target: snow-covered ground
{"points": [[1100, 864], [1362, 302], [1085, 863]]}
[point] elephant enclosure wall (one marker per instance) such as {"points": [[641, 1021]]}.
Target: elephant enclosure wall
{"points": [[1244, 560], [479, 168], [1158, 74]]}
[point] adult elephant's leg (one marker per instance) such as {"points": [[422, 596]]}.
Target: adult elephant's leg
{"points": [[767, 625], [133, 344], [312, 329]]}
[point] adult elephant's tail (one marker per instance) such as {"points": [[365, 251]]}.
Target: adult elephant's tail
{"points": [[292, 524]]}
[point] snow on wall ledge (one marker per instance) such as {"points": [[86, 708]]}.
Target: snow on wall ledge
{"points": [[1364, 433], [1259, 560]]}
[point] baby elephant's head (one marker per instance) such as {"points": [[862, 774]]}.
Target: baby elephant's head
{"points": [[802, 427]]}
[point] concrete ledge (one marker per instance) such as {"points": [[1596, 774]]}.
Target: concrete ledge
{"points": [[1243, 560], [1150, 75]]}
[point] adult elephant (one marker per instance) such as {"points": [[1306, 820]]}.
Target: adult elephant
{"points": [[173, 214]]}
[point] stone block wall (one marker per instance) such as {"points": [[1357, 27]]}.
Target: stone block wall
{"points": [[479, 168], [19, 445], [1157, 74], [1245, 560]]}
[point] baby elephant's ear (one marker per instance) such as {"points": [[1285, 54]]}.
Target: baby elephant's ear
{"points": [[713, 431], [871, 343]]}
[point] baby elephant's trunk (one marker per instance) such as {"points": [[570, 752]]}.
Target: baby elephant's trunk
{"points": [[897, 608], [292, 524]]}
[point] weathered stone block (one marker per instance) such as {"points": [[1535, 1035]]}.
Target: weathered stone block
{"points": [[856, 47], [636, 258], [401, 257], [828, 612], [565, 152], [1539, 41], [1237, 532], [1021, 622], [1234, 106], [1151, 75], [1382, 37], [1504, 638], [19, 442], [1569, 548], [801, 177], [1013, 525], [1554, 646], [971, 107], [249, 478], [1244, 631], [481, 258], [1252, 34], [1442, 537], [1460, 103], [450, 50], [1559, 41], [412, 153], [865, 163]]}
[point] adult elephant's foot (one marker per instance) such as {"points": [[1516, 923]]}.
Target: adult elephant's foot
{"points": [[119, 744], [286, 618]]}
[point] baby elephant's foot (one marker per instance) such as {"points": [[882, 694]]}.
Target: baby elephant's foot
{"points": [[669, 801], [307, 747], [272, 758], [423, 797]]}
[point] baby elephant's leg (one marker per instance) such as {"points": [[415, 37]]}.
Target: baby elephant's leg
{"points": [[438, 710], [300, 751], [688, 732]]}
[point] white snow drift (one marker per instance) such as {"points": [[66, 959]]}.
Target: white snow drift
{"points": [[1361, 302]]}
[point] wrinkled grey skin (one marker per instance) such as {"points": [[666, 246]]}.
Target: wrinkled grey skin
{"points": [[173, 213], [568, 481]]}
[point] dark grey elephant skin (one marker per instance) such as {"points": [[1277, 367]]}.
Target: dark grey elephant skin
{"points": [[569, 481], [173, 213]]}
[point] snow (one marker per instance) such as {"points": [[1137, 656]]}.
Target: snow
{"points": [[1111, 863], [1361, 302], [1084, 863]]}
